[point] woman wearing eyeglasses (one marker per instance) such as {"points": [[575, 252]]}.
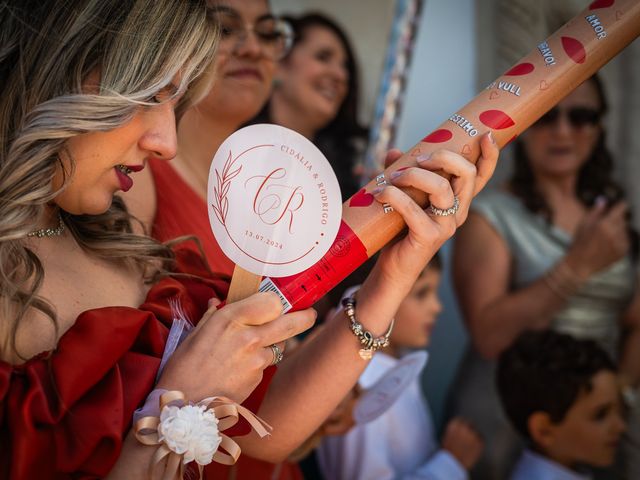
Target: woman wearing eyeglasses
{"points": [[171, 202], [170, 198], [552, 249]]}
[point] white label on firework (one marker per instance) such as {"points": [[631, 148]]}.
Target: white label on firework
{"points": [[274, 202], [506, 86], [465, 124], [547, 54], [597, 26], [267, 285]]}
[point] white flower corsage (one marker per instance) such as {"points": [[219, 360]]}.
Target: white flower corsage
{"points": [[190, 431], [187, 432]]}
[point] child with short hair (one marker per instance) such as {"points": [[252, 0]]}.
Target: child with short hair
{"points": [[563, 397], [401, 443]]}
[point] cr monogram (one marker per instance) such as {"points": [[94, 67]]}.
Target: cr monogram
{"points": [[273, 201]]}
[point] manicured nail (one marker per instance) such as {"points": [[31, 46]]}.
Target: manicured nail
{"points": [[490, 135], [395, 174], [377, 190], [423, 158]]}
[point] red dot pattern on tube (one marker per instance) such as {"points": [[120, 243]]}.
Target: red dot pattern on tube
{"points": [[361, 199], [521, 69], [601, 4], [496, 119], [439, 136], [574, 49]]}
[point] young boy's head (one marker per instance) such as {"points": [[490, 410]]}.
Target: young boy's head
{"points": [[562, 395], [418, 311]]}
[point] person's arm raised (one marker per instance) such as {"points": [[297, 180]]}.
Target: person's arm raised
{"points": [[304, 392], [482, 269]]}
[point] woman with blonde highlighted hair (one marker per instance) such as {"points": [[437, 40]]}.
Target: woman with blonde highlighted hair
{"points": [[92, 312], [91, 90]]}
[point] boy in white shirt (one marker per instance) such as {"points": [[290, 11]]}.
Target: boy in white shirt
{"points": [[401, 444], [563, 396]]}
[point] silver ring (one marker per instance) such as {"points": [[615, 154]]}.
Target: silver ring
{"points": [[277, 354], [445, 212]]}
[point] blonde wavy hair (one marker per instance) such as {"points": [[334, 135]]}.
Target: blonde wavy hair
{"points": [[47, 50]]}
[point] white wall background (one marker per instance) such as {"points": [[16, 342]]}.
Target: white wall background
{"points": [[443, 71]]}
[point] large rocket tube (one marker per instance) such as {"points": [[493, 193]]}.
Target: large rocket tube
{"points": [[506, 107]]}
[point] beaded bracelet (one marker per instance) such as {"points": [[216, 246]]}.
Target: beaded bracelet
{"points": [[370, 344]]}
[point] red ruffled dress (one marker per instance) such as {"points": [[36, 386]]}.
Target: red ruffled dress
{"points": [[181, 211], [64, 414]]}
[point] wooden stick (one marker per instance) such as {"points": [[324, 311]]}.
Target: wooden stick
{"points": [[243, 284]]}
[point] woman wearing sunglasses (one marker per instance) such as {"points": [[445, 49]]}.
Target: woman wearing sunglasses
{"points": [[552, 249]]}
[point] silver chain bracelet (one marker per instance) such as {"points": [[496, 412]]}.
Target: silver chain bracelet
{"points": [[367, 340]]}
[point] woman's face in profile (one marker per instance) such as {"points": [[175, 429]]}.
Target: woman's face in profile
{"points": [[106, 162], [244, 60], [563, 140], [315, 75]]}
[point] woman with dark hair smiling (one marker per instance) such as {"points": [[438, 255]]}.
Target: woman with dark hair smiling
{"points": [[316, 90], [553, 249]]}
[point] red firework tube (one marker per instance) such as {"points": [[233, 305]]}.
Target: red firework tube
{"points": [[506, 108]]}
